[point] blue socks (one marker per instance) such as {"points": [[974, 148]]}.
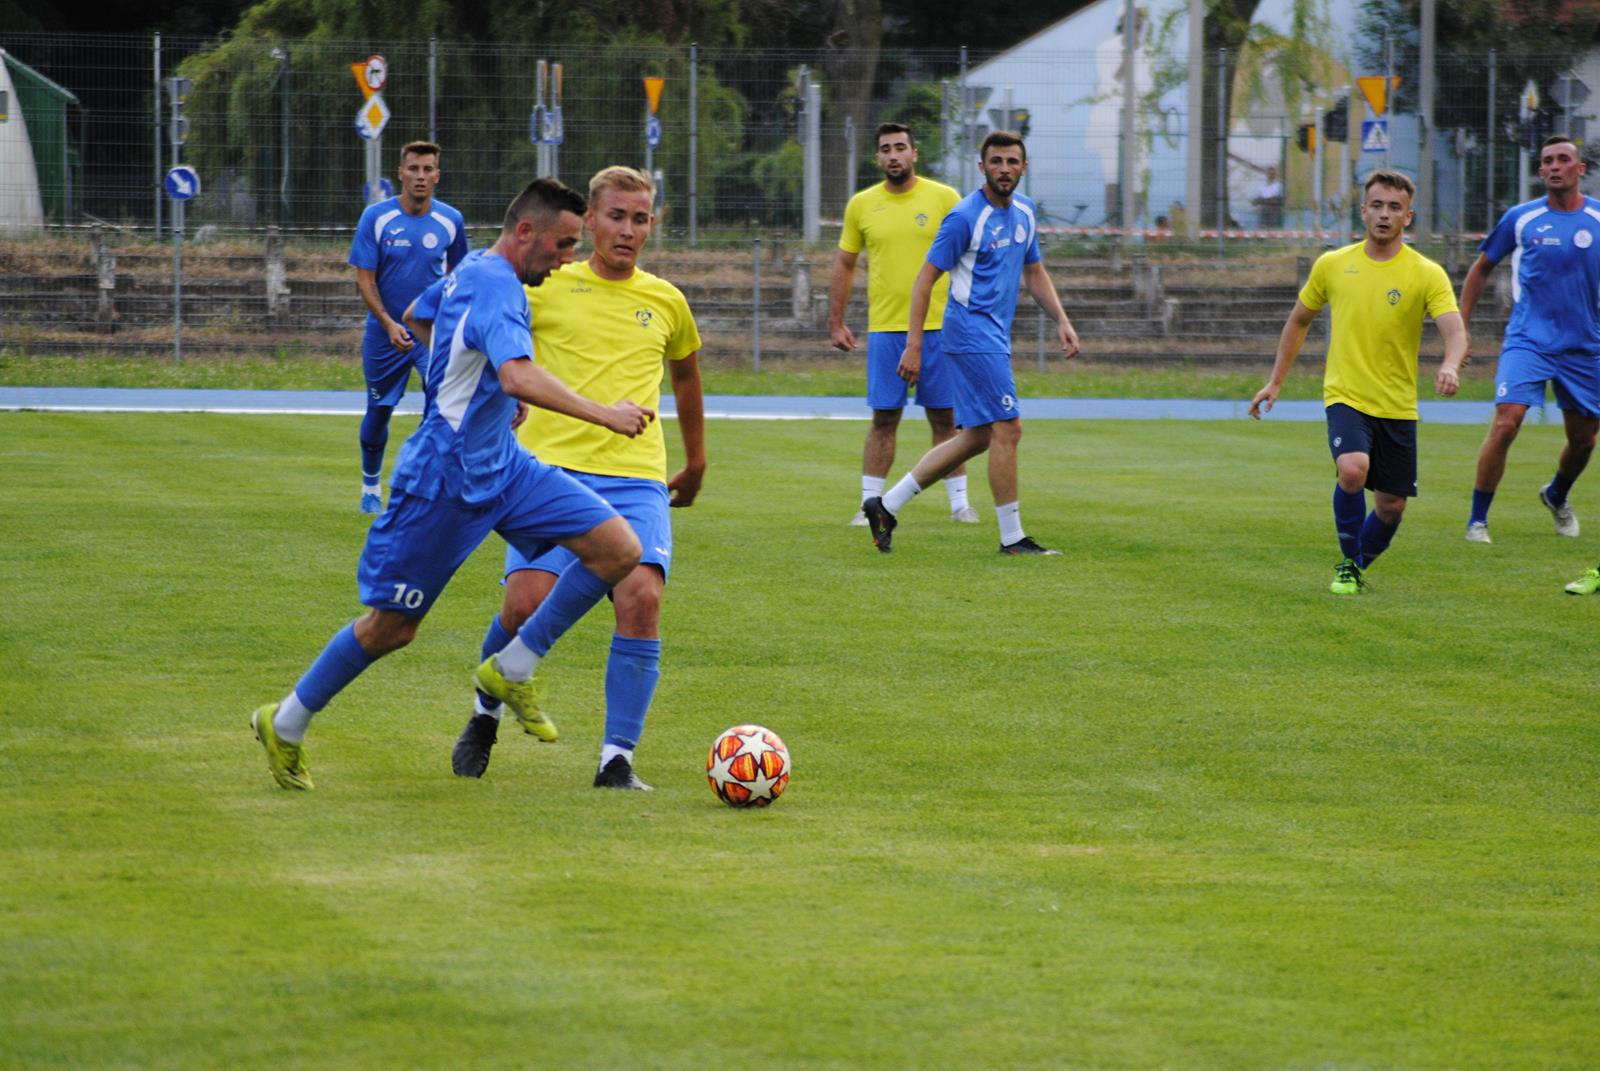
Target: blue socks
{"points": [[1556, 490], [1349, 511], [1375, 537], [374, 438], [631, 675], [1480, 506], [575, 592], [341, 662]]}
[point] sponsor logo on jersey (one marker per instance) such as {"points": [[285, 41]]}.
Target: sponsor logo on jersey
{"points": [[397, 230], [1551, 240], [1541, 229], [1393, 296]]}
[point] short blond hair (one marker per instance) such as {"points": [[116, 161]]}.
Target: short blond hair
{"points": [[618, 177]]}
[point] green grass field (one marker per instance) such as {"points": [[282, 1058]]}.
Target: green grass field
{"points": [[1161, 803]]}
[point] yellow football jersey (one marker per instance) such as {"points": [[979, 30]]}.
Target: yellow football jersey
{"points": [[896, 230], [606, 340], [1378, 309]]}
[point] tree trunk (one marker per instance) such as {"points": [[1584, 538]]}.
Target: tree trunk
{"points": [[1226, 27], [849, 68]]}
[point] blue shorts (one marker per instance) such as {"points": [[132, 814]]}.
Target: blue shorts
{"points": [[644, 504], [417, 545], [386, 368], [1389, 443], [1521, 374], [986, 393], [885, 388]]}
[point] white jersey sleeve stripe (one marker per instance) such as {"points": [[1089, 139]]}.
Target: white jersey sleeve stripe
{"points": [[1516, 256], [448, 225], [961, 274], [461, 373], [381, 222]]}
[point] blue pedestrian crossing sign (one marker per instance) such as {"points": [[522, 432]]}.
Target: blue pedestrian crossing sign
{"points": [[652, 132], [183, 183], [1375, 135]]}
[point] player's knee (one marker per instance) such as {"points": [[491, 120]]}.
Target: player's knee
{"points": [[1352, 472], [521, 600], [885, 420], [1390, 508], [616, 550], [381, 632], [639, 606], [1006, 432], [1503, 429]]}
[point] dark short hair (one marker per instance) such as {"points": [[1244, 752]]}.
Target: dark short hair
{"points": [[1003, 138], [543, 197], [1391, 178], [895, 128], [418, 148], [1556, 139]]}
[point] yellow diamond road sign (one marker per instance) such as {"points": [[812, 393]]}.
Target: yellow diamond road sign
{"points": [[373, 117]]}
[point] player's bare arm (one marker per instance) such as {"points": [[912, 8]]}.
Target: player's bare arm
{"points": [[528, 382], [690, 404], [1289, 343], [367, 284], [421, 330], [844, 270], [921, 298], [1043, 291], [1471, 291], [1453, 329]]}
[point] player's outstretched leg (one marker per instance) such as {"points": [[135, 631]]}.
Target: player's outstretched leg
{"points": [[1587, 584]]}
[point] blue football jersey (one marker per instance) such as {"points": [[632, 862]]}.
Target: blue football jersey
{"points": [[984, 249], [409, 253], [465, 448], [1555, 276]]}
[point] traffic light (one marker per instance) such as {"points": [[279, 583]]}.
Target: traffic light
{"points": [[1305, 138], [1336, 122]]}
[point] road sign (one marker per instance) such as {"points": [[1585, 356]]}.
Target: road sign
{"points": [[536, 125], [183, 183], [371, 75], [372, 118], [1528, 103], [652, 132], [555, 126], [652, 92], [1377, 94], [378, 190], [1375, 135]]}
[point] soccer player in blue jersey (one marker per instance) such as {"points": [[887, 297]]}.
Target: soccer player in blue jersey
{"points": [[1554, 333], [989, 244], [462, 475], [401, 247], [608, 326]]}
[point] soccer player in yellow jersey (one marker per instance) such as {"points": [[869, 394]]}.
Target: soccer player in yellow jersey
{"points": [[1380, 290], [895, 222], [608, 324]]}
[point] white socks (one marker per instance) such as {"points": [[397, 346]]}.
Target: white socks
{"points": [[1010, 517], [516, 661], [871, 487], [611, 751], [488, 712], [291, 720], [897, 496], [956, 488]]}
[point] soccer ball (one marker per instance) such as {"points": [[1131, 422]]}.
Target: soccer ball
{"points": [[748, 766]]}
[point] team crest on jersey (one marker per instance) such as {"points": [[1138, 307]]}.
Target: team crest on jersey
{"points": [[1583, 239], [922, 219], [644, 316], [430, 240], [1393, 296]]}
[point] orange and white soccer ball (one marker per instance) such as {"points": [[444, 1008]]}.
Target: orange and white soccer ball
{"points": [[748, 766]]}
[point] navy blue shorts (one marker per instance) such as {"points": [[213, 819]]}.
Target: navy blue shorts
{"points": [[1390, 445]]}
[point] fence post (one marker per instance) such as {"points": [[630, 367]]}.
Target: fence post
{"points": [[800, 288], [1222, 148], [105, 263], [694, 145], [755, 305], [1488, 207], [433, 90], [155, 123], [277, 279]]}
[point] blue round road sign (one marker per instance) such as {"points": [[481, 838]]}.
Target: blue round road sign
{"points": [[652, 132], [182, 183]]}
